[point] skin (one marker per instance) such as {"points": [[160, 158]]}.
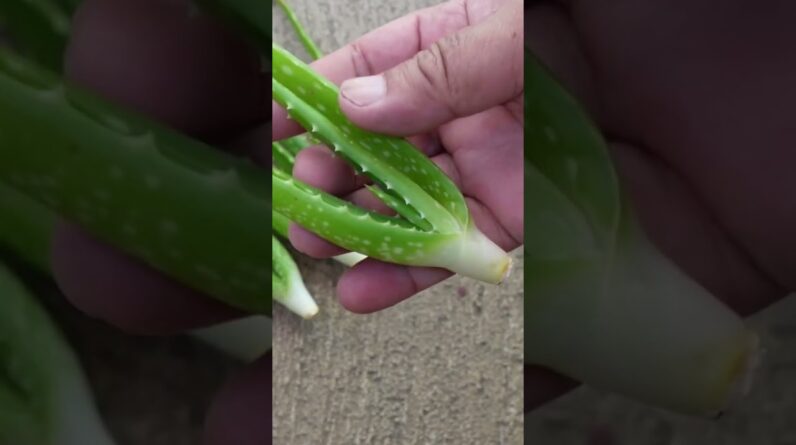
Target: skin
{"points": [[475, 138], [687, 101]]}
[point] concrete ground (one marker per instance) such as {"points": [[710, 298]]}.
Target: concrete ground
{"points": [[444, 367]]}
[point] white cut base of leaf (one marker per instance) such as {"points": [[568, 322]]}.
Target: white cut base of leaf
{"points": [[350, 259], [473, 255], [246, 339]]}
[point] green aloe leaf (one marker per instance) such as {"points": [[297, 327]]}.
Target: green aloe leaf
{"points": [[287, 285], [185, 208], [39, 29], [306, 40], [26, 228]]}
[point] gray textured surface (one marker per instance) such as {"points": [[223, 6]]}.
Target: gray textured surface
{"points": [[442, 368], [445, 367]]}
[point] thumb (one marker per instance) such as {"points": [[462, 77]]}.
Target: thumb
{"points": [[462, 74]]}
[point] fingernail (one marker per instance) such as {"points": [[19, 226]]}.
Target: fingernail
{"points": [[364, 91]]}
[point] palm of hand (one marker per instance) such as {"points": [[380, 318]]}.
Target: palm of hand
{"points": [[483, 155]]}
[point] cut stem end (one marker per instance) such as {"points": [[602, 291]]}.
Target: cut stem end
{"points": [[478, 257], [300, 302]]}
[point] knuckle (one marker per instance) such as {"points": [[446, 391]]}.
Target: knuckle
{"points": [[434, 65], [359, 59]]}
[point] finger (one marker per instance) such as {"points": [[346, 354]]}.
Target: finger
{"points": [[110, 286], [311, 244], [320, 168], [241, 413], [543, 385], [487, 153], [681, 226], [169, 62], [464, 73], [387, 47], [365, 199], [373, 285]]}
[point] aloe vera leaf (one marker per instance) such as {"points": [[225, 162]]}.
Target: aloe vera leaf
{"points": [[283, 158], [39, 29], [398, 167], [122, 178], [401, 208], [603, 305], [69, 6], [286, 150], [26, 230], [309, 45], [387, 238], [44, 396], [246, 339], [295, 144], [585, 175], [289, 148], [287, 285], [280, 224], [26, 227]]}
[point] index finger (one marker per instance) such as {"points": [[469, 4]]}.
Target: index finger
{"points": [[382, 49]]}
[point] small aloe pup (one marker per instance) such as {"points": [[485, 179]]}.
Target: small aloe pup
{"points": [[434, 228], [44, 396], [287, 284]]}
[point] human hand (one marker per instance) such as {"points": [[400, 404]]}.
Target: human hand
{"points": [[450, 78], [697, 103], [165, 60]]}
